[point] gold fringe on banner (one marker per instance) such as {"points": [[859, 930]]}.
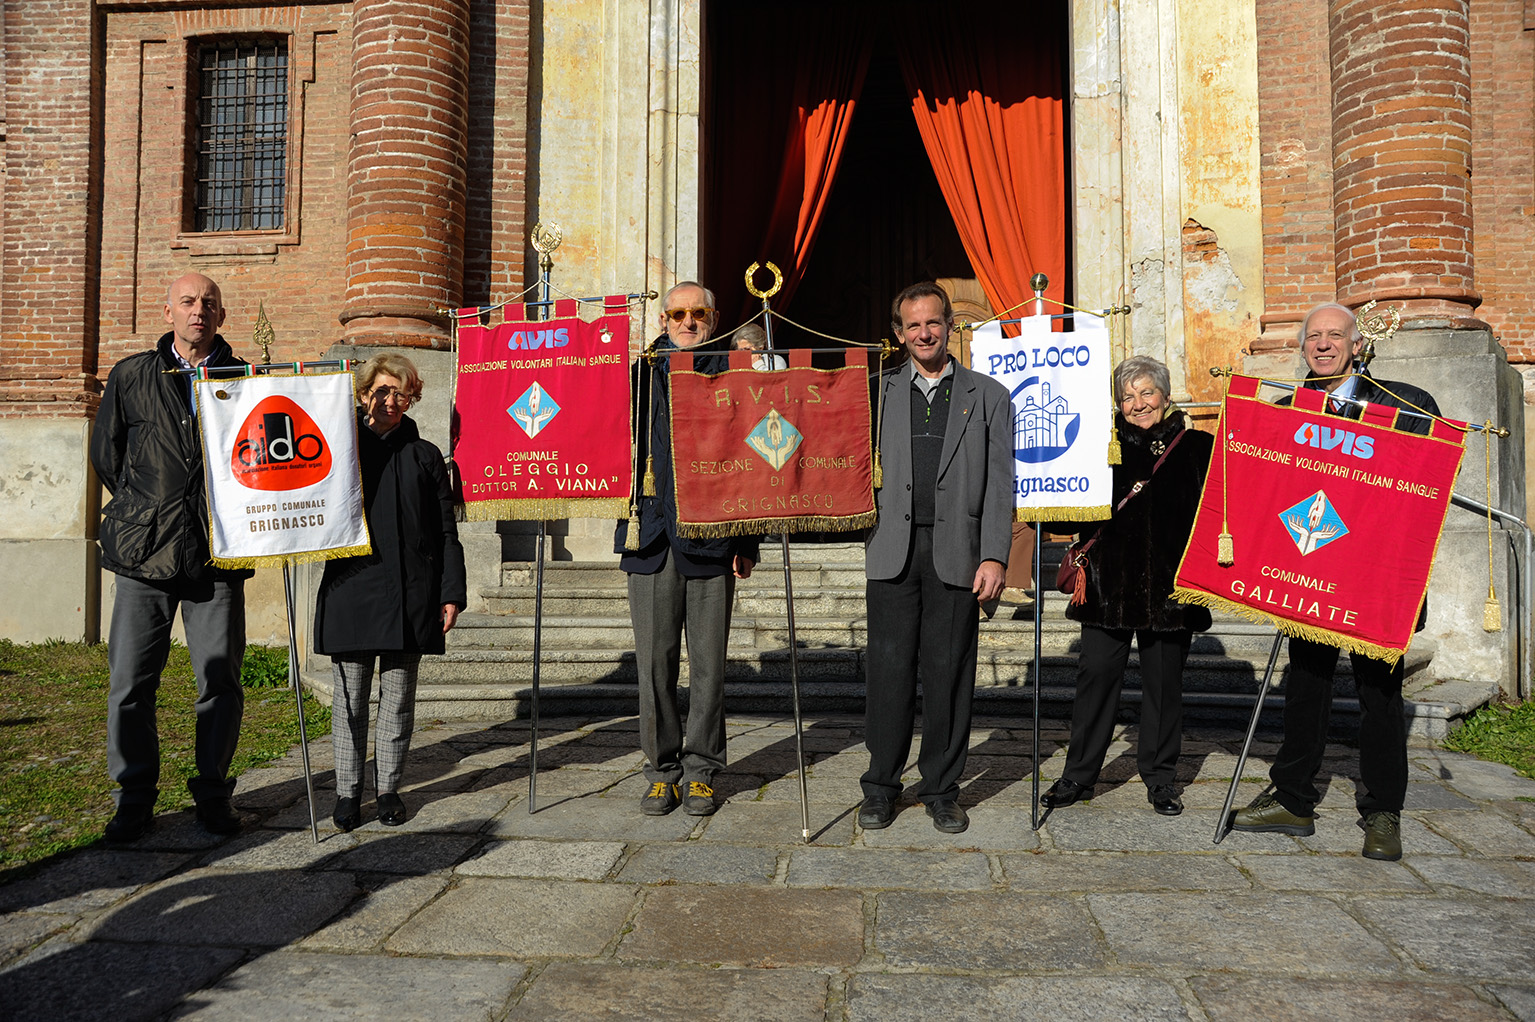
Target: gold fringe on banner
{"points": [[1293, 629], [757, 526], [1098, 513], [277, 560], [546, 509]]}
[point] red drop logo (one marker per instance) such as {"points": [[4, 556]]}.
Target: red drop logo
{"points": [[279, 447]]}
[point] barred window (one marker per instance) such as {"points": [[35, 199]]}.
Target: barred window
{"points": [[242, 135]]}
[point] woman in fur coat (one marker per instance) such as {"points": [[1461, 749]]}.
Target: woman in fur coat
{"points": [[1130, 571]]}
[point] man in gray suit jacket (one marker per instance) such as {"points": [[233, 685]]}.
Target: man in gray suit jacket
{"points": [[938, 549]]}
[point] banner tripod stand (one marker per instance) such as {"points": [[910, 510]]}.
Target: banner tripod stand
{"points": [[1221, 826], [788, 581], [298, 698]]}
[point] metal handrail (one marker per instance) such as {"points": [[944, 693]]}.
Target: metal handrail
{"points": [[1523, 581]]}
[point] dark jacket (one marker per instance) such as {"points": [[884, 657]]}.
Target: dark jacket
{"points": [[650, 385], [147, 451], [1132, 565], [391, 600]]}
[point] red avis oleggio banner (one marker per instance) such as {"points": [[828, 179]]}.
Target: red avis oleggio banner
{"points": [[1334, 523], [783, 451], [541, 415]]}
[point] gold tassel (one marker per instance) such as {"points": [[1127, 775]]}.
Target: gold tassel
{"points": [[879, 472], [1225, 552], [632, 536], [1114, 450], [1492, 612], [649, 487]]}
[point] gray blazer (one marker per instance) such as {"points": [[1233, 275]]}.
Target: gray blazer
{"points": [[974, 520]]}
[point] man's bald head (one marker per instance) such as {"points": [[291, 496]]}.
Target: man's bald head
{"points": [[194, 308]]}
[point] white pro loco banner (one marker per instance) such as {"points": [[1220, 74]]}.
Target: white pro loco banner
{"points": [[1062, 415], [280, 453]]}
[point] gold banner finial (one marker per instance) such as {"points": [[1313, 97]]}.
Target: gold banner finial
{"points": [[1379, 327], [751, 271], [263, 334]]}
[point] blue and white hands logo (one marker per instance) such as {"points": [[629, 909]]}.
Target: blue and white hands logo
{"points": [[534, 410], [1313, 523]]}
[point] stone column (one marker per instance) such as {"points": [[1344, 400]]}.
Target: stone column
{"points": [[1401, 127], [406, 170]]}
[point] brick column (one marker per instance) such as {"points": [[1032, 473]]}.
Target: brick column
{"points": [[405, 171], [1401, 130]]}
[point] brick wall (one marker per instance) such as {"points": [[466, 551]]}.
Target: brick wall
{"points": [[1295, 157], [48, 263], [495, 245]]}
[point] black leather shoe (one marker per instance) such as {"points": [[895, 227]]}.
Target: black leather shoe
{"points": [[348, 814], [948, 816], [130, 823], [1164, 799], [877, 812], [218, 817], [1064, 793], [391, 810]]}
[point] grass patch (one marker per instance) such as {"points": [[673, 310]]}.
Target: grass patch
{"points": [[54, 791], [1503, 733]]}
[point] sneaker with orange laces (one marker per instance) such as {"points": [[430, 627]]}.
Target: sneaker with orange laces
{"points": [[661, 799], [699, 801]]}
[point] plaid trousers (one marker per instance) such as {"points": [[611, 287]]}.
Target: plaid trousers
{"points": [[353, 675]]}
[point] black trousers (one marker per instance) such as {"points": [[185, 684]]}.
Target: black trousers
{"points": [[1307, 709], [919, 629], [1101, 675]]}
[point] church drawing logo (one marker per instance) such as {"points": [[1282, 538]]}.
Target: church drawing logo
{"points": [[1044, 427], [534, 410], [1313, 523], [775, 439]]}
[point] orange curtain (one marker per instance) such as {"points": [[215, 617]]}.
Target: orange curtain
{"points": [[829, 75], [991, 119]]}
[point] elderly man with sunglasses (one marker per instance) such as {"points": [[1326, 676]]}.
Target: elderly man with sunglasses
{"points": [[675, 580]]}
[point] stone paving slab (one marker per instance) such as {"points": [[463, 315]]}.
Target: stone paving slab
{"points": [[779, 823], [266, 908], [596, 819], [1499, 878], [268, 849], [22, 931], [1090, 828], [1476, 778], [991, 827], [1491, 938], [567, 991], [694, 862], [867, 870], [555, 860], [518, 919], [1519, 1000], [993, 930], [922, 998], [89, 879], [88, 982], [408, 854], [1338, 830], [1261, 933], [1229, 999], [377, 914], [1330, 873], [757, 927], [315, 987], [1482, 833], [1094, 872]]}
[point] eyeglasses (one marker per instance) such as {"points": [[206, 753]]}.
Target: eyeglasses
{"points": [[381, 394], [678, 315]]}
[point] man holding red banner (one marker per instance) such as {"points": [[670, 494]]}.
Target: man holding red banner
{"points": [[676, 580], [939, 546], [1330, 342]]}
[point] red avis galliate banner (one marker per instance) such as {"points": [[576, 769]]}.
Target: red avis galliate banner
{"points": [[541, 414], [783, 451], [1334, 523]]}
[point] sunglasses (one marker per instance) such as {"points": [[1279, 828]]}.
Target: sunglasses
{"points": [[678, 315]]}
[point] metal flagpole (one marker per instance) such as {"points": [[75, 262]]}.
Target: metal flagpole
{"points": [[1037, 284], [545, 240], [298, 698], [1221, 829], [788, 582]]}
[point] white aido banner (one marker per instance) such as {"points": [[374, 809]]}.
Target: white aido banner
{"points": [[280, 454], [1063, 414]]}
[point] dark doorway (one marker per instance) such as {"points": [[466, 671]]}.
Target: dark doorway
{"points": [[886, 223]]}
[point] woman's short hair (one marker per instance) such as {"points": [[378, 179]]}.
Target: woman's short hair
{"points": [[389, 363], [1141, 366]]}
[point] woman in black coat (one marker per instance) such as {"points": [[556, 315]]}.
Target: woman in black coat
{"points": [[396, 603], [1130, 571]]}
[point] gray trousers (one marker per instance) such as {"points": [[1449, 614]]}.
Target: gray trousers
{"points": [[213, 613], [353, 673], [660, 605]]}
